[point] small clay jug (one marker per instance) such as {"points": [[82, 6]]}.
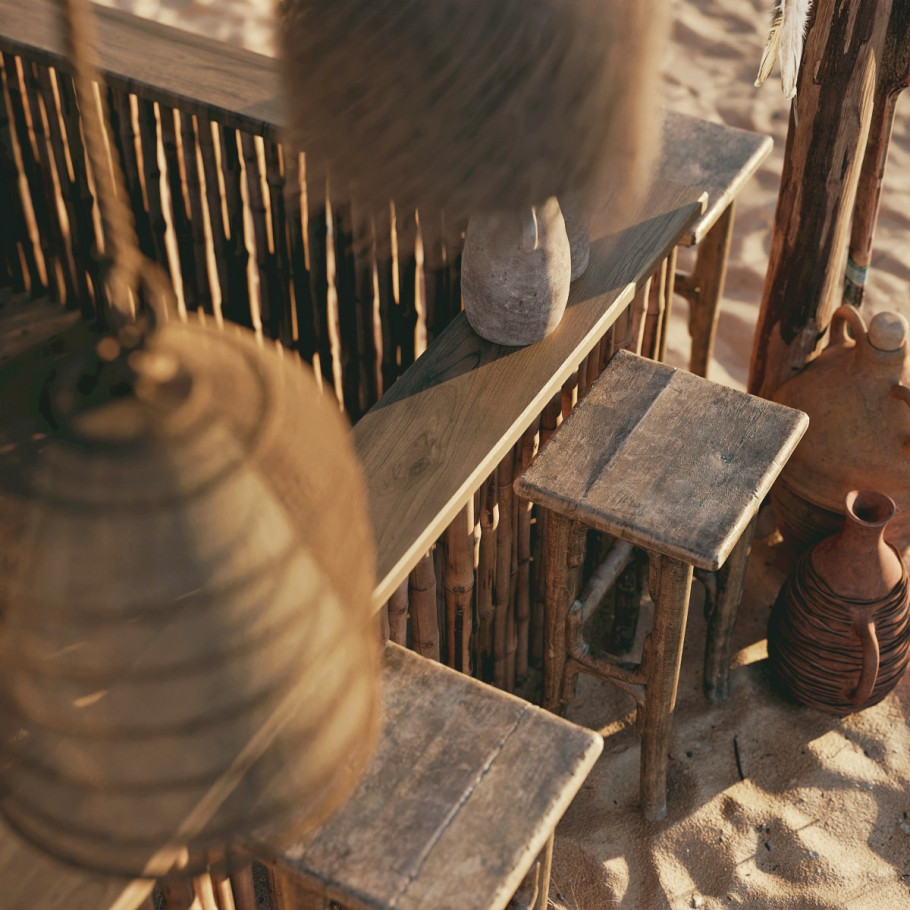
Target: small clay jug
{"points": [[839, 633], [856, 395], [515, 273]]}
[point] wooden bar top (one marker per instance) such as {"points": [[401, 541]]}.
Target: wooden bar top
{"points": [[430, 441], [461, 795]]}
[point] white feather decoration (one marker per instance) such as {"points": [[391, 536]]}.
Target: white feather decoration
{"points": [[785, 43]]}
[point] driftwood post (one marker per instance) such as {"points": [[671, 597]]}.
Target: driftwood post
{"points": [[829, 126], [893, 78]]}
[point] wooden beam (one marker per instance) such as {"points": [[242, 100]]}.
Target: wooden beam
{"points": [[829, 126]]}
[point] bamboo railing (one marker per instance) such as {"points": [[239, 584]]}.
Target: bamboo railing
{"points": [[222, 203]]}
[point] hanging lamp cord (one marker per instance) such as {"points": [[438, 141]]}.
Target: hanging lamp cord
{"points": [[129, 274]]}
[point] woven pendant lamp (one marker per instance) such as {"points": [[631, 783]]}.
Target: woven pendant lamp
{"points": [[188, 651], [473, 105]]}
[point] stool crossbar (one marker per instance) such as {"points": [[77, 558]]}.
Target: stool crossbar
{"points": [[676, 465]]}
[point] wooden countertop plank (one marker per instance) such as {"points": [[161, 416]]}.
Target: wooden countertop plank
{"points": [[715, 157], [451, 417]]}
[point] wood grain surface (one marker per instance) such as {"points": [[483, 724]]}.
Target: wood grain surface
{"points": [[715, 157], [450, 419], [664, 459], [465, 788]]}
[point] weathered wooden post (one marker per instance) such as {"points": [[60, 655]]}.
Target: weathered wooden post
{"points": [[829, 128], [893, 78]]}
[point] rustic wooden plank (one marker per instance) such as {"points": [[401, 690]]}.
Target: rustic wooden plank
{"points": [[715, 157], [424, 447], [666, 460], [180, 69], [460, 797]]}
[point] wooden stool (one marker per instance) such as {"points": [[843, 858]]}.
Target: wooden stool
{"points": [[457, 808], [678, 466], [718, 159]]}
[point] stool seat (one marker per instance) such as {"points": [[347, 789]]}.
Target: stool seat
{"points": [[677, 466], [664, 459]]}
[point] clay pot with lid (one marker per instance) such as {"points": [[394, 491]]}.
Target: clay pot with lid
{"points": [[857, 396], [839, 633]]}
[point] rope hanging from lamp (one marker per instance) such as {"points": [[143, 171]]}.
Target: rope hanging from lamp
{"points": [[189, 657]]}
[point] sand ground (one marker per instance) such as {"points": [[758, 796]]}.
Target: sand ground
{"points": [[771, 805]]}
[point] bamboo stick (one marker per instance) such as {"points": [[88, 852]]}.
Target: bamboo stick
{"points": [[569, 395], [215, 211], [196, 198], [243, 889], [502, 590], [829, 128], [634, 337], [77, 249], [82, 191], [297, 247], [893, 78], [366, 307], [236, 303], [179, 895], [318, 233], [397, 608], [527, 450], [22, 224], [224, 897], [13, 232], [149, 140], [123, 143], [349, 317], [57, 221], [424, 617], [278, 222], [653, 318], [459, 588], [262, 256], [180, 212], [486, 574], [35, 203], [205, 892], [407, 323], [386, 272]]}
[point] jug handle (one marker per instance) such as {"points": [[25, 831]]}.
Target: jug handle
{"points": [[865, 631], [844, 316]]}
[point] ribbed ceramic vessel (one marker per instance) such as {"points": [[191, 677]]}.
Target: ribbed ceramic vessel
{"points": [[839, 633], [187, 651]]}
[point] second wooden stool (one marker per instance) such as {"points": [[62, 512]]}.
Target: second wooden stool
{"points": [[678, 466]]}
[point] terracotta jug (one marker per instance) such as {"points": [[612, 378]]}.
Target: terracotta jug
{"points": [[515, 273], [856, 395], [839, 633]]}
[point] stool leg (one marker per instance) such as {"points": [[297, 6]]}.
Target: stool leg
{"points": [[722, 618], [670, 584], [545, 865], [707, 285], [556, 608]]}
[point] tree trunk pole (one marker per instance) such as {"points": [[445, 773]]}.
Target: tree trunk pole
{"points": [[829, 128], [894, 77]]}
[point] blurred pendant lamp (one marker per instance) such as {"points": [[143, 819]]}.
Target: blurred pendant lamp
{"points": [[473, 105], [187, 646]]}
